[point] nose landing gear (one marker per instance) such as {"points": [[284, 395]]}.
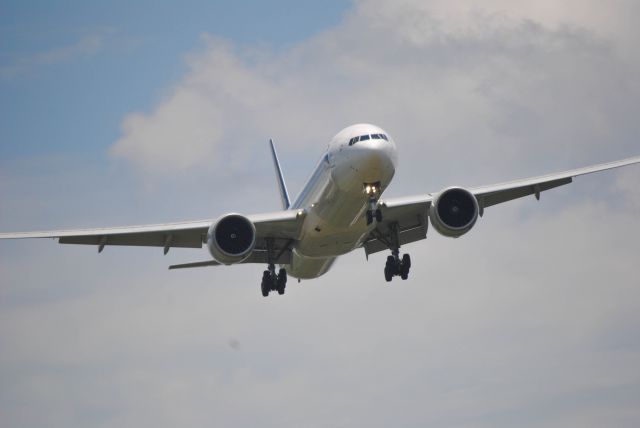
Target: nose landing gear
{"points": [[373, 212], [272, 281]]}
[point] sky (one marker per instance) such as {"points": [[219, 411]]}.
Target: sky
{"points": [[142, 112]]}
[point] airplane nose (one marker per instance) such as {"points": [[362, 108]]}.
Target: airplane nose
{"points": [[374, 159], [365, 161]]}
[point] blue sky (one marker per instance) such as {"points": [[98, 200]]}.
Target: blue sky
{"points": [[78, 98], [119, 113]]}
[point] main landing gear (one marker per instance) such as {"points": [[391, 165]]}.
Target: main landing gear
{"points": [[397, 267], [272, 281], [373, 212], [389, 235]]}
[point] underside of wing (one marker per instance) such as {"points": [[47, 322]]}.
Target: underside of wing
{"points": [[274, 232], [405, 219], [503, 192], [184, 235]]}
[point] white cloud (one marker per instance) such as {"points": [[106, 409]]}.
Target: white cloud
{"points": [[498, 86], [530, 320], [482, 334], [87, 46]]}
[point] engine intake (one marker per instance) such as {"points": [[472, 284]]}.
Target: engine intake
{"points": [[231, 239], [454, 212]]}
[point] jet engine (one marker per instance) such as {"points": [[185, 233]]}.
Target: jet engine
{"points": [[231, 239], [453, 212]]}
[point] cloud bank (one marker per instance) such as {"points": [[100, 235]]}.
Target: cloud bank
{"points": [[529, 320], [501, 83]]}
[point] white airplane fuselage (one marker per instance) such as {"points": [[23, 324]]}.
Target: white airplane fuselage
{"points": [[335, 200]]}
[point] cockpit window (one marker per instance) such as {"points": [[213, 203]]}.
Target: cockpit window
{"points": [[367, 137]]}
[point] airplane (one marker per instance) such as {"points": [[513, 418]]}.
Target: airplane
{"points": [[339, 210]]}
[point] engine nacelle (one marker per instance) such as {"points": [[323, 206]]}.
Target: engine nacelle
{"points": [[231, 239], [454, 212]]}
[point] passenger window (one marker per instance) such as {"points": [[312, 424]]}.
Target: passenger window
{"points": [[364, 137]]}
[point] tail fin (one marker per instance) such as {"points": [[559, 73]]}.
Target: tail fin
{"points": [[284, 195]]}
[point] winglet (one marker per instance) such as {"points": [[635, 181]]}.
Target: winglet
{"points": [[284, 195]]}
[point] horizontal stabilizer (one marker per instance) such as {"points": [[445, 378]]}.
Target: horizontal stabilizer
{"points": [[196, 264], [283, 257]]}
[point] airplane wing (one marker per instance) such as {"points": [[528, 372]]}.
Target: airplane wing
{"points": [[280, 228], [409, 214]]}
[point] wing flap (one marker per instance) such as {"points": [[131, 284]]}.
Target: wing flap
{"points": [[281, 224], [406, 210], [257, 256], [497, 197], [408, 215], [375, 245], [178, 239]]}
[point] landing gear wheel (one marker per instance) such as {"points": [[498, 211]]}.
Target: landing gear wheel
{"points": [[397, 267], [266, 285], [406, 261], [273, 282], [378, 215], [281, 281], [389, 269], [387, 273], [405, 266]]}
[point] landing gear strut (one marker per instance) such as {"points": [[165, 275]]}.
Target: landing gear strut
{"points": [[272, 281], [396, 265], [373, 212]]}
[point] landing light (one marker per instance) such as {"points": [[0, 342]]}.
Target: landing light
{"points": [[370, 189]]}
